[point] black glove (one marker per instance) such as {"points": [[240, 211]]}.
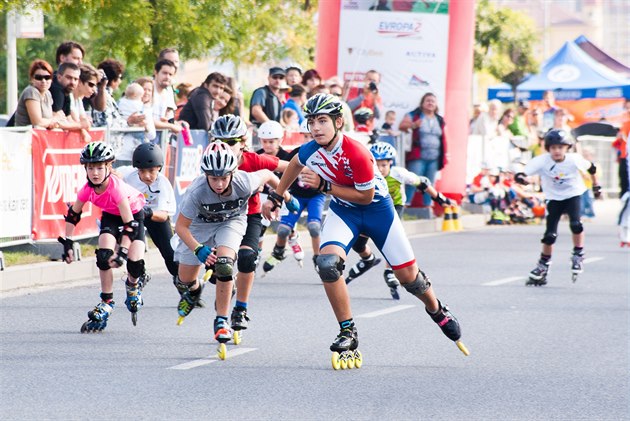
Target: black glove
{"points": [[148, 213], [519, 177], [597, 191], [276, 199], [121, 257], [443, 200], [68, 245]]}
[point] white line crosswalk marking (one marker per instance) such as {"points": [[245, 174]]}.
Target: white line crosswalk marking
{"points": [[384, 311], [210, 359]]}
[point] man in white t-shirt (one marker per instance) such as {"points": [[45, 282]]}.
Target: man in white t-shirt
{"points": [[163, 99]]}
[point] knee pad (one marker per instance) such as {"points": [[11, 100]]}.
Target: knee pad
{"points": [[102, 258], [549, 238], [314, 228], [576, 227], [284, 231], [224, 269], [247, 259], [419, 286], [360, 244], [135, 268], [330, 267]]}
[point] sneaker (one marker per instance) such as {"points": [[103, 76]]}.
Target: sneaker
{"points": [[298, 253]]}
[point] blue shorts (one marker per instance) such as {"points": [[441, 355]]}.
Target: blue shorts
{"points": [[379, 221], [314, 206]]}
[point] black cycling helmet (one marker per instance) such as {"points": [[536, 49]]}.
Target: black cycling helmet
{"points": [[228, 126], [97, 152], [148, 155], [557, 137], [323, 104]]}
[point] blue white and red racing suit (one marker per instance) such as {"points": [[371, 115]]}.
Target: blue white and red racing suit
{"points": [[349, 163]]}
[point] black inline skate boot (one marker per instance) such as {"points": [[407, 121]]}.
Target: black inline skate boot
{"points": [[277, 255], [577, 265], [538, 275], [447, 322], [239, 318], [188, 301], [345, 349], [392, 283], [97, 318], [362, 266]]}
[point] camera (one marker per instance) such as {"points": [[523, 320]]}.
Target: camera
{"points": [[103, 75], [373, 87]]}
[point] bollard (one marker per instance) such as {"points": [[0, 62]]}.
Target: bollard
{"points": [[447, 224], [457, 223]]}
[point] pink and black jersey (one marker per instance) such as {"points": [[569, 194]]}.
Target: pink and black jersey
{"points": [[109, 200], [349, 163]]}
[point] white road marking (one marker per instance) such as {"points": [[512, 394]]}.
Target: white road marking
{"points": [[210, 359], [384, 311], [503, 281], [593, 259]]}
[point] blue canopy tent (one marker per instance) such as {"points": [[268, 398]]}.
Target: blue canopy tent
{"points": [[572, 75]]}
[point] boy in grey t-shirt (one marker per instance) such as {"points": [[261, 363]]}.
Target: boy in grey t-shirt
{"points": [[211, 225]]}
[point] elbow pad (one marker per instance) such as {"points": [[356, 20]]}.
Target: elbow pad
{"points": [[73, 217], [520, 178], [424, 184], [593, 169]]}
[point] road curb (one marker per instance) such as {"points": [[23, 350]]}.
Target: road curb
{"points": [[56, 273]]}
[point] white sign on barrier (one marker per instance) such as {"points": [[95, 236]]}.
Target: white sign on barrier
{"points": [[16, 182]]}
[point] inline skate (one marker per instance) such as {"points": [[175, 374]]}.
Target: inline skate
{"points": [[298, 253], [188, 301], [449, 325], [222, 334], [392, 283], [538, 275], [134, 299], [97, 318], [277, 255], [361, 267], [577, 265], [238, 321], [346, 354]]}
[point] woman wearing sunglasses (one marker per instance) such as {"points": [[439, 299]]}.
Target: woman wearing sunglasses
{"points": [[35, 104], [87, 87]]}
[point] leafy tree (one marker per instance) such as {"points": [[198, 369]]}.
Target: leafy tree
{"points": [[504, 41], [134, 31]]}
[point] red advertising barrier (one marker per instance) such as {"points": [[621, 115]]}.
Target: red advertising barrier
{"points": [[57, 177]]}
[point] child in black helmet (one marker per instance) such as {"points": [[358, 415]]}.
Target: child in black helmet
{"points": [[563, 186], [148, 161]]}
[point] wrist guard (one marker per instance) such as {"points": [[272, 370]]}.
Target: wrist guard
{"points": [[148, 213], [131, 229], [442, 200], [324, 186], [68, 245], [519, 177], [72, 217], [597, 191], [121, 257], [276, 199]]}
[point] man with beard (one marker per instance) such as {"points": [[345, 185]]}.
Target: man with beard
{"points": [[163, 101]]}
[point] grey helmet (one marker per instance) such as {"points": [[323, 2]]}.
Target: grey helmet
{"points": [[228, 126]]}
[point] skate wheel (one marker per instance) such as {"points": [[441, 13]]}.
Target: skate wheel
{"points": [[180, 320], [336, 362], [358, 358], [300, 263], [462, 348], [343, 361], [574, 277], [222, 351], [237, 337], [207, 275], [84, 327], [134, 318], [351, 363]]}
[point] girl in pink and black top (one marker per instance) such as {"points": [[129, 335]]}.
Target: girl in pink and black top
{"points": [[122, 225]]}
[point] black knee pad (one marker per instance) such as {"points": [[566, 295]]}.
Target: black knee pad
{"points": [[135, 268], [360, 244], [549, 238], [102, 258], [247, 259], [224, 269], [284, 231], [314, 228], [330, 267], [576, 227], [419, 286]]}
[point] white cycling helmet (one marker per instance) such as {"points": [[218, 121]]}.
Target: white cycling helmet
{"points": [[304, 127], [218, 159], [271, 130]]}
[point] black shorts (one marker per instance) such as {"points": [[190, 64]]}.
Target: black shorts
{"points": [[112, 224], [252, 234]]}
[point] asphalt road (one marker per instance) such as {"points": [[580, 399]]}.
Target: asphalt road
{"points": [[554, 352]]}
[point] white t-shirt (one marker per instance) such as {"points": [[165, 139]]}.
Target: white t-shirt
{"points": [[559, 180], [158, 196], [163, 103]]}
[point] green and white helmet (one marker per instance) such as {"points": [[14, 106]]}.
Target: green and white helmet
{"points": [[95, 152], [323, 104]]}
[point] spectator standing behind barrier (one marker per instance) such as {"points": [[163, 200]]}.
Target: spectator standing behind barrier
{"points": [[348, 121], [369, 96], [518, 126], [237, 99], [310, 80], [198, 110], [181, 94], [266, 102], [224, 104], [487, 122], [297, 99], [65, 80], [428, 143], [129, 105], [621, 146], [163, 100], [35, 104], [293, 75], [88, 80], [147, 99], [111, 76]]}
